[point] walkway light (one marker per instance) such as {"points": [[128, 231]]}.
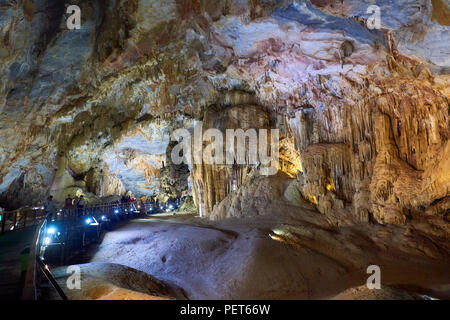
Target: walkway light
{"points": [[51, 230], [91, 221]]}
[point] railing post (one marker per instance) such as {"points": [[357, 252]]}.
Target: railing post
{"points": [[3, 222], [29, 290], [25, 219], [14, 220]]}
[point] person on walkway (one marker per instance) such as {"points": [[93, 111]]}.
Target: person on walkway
{"points": [[80, 205], [68, 205], [141, 205], [129, 204], [49, 208], [69, 202]]}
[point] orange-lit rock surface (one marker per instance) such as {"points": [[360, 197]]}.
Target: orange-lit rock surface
{"points": [[363, 113]]}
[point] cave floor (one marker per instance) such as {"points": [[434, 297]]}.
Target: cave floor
{"points": [[244, 259]]}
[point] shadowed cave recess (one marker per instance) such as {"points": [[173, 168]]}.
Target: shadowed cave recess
{"points": [[363, 176]]}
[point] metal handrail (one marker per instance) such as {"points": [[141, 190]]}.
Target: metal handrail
{"points": [[35, 264], [35, 261], [30, 288], [20, 218], [46, 271]]}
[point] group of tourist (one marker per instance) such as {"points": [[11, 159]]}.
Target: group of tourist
{"points": [[50, 208], [78, 204], [128, 199]]}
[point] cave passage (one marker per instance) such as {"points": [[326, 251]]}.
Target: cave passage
{"points": [[225, 149]]}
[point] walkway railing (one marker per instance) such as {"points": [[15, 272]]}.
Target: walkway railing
{"points": [[73, 224], [20, 218], [30, 216]]}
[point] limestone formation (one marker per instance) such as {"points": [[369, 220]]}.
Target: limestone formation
{"points": [[363, 113]]}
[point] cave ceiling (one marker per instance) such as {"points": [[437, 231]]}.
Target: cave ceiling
{"points": [[92, 109]]}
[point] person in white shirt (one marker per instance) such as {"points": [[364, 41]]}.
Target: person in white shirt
{"points": [[80, 205], [49, 208]]}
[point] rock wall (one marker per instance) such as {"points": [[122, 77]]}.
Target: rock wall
{"points": [[213, 182], [362, 113], [383, 154]]}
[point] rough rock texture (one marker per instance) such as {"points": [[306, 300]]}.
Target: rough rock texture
{"points": [[262, 258], [213, 182], [363, 114], [108, 281], [173, 177], [386, 293]]}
